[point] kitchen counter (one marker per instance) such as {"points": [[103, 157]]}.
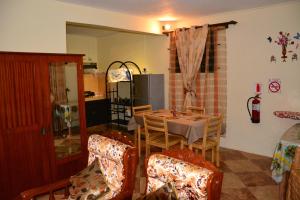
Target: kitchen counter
{"points": [[94, 98]]}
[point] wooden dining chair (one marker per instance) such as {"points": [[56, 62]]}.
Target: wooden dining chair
{"points": [[140, 109], [140, 131], [156, 131], [196, 109], [210, 140]]}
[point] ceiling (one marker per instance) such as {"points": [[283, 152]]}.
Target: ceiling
{"points": [[173, 8]]}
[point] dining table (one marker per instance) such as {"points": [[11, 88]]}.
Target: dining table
{"points": [[187, 124]]}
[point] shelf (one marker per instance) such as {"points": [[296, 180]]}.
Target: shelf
{"points": [[120, 104]]}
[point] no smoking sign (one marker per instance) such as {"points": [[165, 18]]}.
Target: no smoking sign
{"points": [[274, 85]]}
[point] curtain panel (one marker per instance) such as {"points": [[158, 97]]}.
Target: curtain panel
{"points": [[190, 45], [211, 87]]}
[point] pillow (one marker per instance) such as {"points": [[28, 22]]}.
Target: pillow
{"points": [[88, 184], [166, 192]]}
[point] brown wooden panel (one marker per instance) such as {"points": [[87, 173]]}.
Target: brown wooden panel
{"points": [[23, 148]]}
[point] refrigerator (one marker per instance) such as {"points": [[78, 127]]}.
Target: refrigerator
{"points": [[149, 89]]}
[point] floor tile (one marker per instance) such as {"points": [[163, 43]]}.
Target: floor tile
{"points": [[265, 192], [135, 196], [256, 179], [231, 180], [142, 184], [231, 155], [264, 164], [237, 194], [223, 167], [254, 156], [238, 166]]}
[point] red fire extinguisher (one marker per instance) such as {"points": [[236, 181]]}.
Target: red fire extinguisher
{"points": [[255, 116]]}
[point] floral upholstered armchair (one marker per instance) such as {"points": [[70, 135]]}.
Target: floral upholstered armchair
{"points": [[188, 174], [110, 173]]}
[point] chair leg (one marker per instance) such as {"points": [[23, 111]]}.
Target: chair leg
{"points": [[147, 150], [190, 147], [218, 156], [139, 140], [181, 144], [135, 138], [203, 153]]}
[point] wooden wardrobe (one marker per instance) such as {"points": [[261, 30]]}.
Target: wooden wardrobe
{"points": [[42, 120]]}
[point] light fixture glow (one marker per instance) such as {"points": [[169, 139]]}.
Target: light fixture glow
{"points": [[167, 27]]}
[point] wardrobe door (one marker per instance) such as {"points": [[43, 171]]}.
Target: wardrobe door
{"points": [[24, 145]]}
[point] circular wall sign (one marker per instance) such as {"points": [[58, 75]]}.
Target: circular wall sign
{"points": [[274, 86]]}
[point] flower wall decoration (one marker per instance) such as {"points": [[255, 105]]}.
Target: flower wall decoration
{"points": [[284, 40], [288, 44]]}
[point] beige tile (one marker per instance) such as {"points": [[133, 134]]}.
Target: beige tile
{"points": [[231, 180], [254, 156], [237, 166], [237, 194], [263, 164], [232, 155], [135, 196], [256, 179], [265, 192], [138, 171], [142, 184], [268, 172]]}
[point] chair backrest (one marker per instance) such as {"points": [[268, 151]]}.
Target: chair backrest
{"points": [[213, 128], [155, 124], [196, 109], [183, 168], [139, 109], [118, 159]]}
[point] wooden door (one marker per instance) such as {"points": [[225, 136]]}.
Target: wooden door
{"points": [[24, 148]]}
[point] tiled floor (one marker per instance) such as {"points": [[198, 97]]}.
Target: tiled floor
{"points": [[246, 177]]}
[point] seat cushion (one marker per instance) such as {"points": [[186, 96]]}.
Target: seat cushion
{"points": [[89, 183], [189, 180], [166, 192]]}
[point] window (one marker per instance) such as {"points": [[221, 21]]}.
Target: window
{"points": [[211, 57]]}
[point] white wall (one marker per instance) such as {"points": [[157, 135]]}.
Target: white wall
{"points": [[86, 45], [40, 25], [248, 62]]}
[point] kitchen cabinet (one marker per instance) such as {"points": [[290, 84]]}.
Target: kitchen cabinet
{"points": [[97, 111], [42, 120]]}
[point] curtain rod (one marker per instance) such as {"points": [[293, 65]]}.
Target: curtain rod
{"points": [[232, 22]]}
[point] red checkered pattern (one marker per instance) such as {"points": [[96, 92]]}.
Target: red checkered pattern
{"points": [[211, 88]]}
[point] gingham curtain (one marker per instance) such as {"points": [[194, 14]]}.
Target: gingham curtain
{"points": [[211, 88], [190, 45]]}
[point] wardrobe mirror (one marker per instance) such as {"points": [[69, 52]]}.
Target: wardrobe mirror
{"points": [[65, 112]]}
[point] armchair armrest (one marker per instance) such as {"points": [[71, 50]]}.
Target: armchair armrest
{"points": [[49, 189]]}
